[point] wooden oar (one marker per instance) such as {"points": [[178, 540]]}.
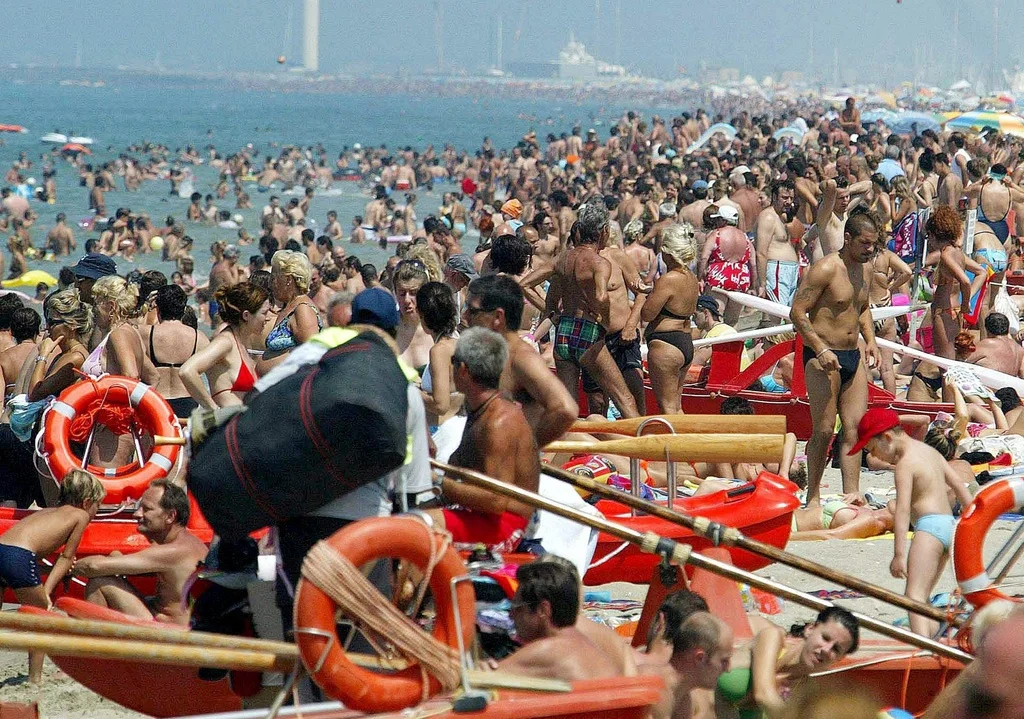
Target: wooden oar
{"points": [[685, 447], [682, 554], [729, 536], [150, 652], [690, 424], [115, 630]]}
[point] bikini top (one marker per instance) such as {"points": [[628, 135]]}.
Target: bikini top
{"points": [[245, 380], [173, 365], [93, 365], [281, 337]]}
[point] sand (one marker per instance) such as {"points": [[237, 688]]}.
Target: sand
{"points": [[60, 696]]}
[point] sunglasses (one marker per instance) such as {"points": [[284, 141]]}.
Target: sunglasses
{"points": [[411, 263]]}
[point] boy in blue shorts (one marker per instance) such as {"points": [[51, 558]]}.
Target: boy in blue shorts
{"points": [[924, 481]]}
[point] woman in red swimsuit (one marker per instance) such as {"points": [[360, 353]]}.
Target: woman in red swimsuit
{"points": [[225, 361], [728, 262]]}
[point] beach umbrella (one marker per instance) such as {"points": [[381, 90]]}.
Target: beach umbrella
{"points": [[886, 116], [982, 119], [12, 128], [73, 148], [904, 123]]}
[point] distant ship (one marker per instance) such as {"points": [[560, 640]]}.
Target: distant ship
{"points": [[574, 63]]}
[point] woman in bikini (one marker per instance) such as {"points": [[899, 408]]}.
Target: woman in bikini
{"points": [[121, 350], [764, 673], [413, 341], [667, 311], [290, 275], [225, 360], [170, 344], [994, 196], [945, 233]]}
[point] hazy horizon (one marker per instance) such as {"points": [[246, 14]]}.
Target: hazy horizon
{"points": [[882, 41]]}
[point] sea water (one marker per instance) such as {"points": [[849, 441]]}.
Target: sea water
{"points": [[179, 113]]}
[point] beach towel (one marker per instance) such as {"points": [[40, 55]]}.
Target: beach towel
{"points": [[561, 536], [904, 238]]}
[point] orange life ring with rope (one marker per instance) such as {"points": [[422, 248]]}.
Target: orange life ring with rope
{"points": [[996, 498], [408, 538], [122, 404]]}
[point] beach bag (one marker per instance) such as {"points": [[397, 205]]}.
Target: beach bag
{"points": [[312, 437], [1004, 305]]}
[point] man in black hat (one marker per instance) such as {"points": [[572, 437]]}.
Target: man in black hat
{"points": [[708, 320], [89, 269]]}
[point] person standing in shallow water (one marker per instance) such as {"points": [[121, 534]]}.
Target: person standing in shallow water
{"points": [[831, 312]]}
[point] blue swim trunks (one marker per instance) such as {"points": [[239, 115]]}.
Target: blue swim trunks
{"points": [[939, 526], [18, 567]]}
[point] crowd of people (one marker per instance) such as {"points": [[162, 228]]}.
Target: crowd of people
{"points": [[602, 259]]}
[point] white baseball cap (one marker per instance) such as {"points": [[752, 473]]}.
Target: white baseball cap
{"points": [[727, 213]]}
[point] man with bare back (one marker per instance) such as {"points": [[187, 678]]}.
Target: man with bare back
{"points": [[172, 556], [580, 282], [831, 311]]}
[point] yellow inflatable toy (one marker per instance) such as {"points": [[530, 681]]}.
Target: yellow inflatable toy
{"points": [[30, 279]]}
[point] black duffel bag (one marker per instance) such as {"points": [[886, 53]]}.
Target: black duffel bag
{"points": [[307, 440]]}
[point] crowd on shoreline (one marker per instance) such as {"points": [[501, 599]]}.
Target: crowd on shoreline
{"points": [[603, 258]]}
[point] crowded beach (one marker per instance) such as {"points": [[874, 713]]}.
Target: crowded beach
{"points": [[782, 338]]}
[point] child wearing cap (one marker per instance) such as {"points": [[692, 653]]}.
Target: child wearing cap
{"points": [[923, 478]]}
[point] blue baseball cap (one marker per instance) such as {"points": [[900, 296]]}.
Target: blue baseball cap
{"points": [[699, 185], [376, 307]]}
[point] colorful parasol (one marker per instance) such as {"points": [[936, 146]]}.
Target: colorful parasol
{"points": [[981, 119]]}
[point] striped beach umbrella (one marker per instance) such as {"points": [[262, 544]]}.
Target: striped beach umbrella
{"points": [[982, 119]]}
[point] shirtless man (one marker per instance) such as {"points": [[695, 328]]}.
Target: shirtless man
{"points": [[701, 653], [849, 118], [544, 609], [888, 274], [777, 262], [951, 188], [563, 213], [375, 215], [226, 272], [497, 441], [643, 256], [358, 236], [405, 177], [622, 340], [694, 212], [830, 219], [546, 244], [746, 196], [333, 229], [806, 191], [61, 239], [496, 302], [831, 311], [25, 332], [580, 283], [997, 351], [172, 556]]}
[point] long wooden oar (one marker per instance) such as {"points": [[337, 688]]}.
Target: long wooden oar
{"points": [[151, 652], [689, 424], [114, 630], [731, 537], [685, 447], [682, 554]]}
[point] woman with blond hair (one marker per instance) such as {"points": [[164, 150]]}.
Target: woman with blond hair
{"points": [[668, 312], [121, 351], [290, 275]]}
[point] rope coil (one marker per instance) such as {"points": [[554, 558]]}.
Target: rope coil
{"points": [[356, 597]]}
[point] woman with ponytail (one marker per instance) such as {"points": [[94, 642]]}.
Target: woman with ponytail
{"points": [[225, 361]]}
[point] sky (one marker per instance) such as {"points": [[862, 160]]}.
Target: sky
{"points": [[875, 40]]}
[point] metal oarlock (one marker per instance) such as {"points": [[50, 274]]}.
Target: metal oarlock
{"points": [[670, 471], [472, 700]]}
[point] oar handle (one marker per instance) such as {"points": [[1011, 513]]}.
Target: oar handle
{"points": [[161, 440]]}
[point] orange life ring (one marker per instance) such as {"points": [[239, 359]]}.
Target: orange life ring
{"points": [[362, 542], [152, 414], [996, 498]]}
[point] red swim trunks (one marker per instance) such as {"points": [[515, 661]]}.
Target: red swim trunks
{"points": [[469, 527]]}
